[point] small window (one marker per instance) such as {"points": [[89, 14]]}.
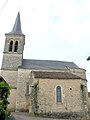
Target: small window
{"points": [[10, 46], [70, 88], [16, 46], [27, 89], [58, 94]]}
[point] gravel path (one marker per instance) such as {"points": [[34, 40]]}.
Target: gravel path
{"points": [[26, 116]]}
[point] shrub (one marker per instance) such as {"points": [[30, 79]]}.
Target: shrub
{"points": [[4, 92]]}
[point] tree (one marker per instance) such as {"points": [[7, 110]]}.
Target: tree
{"points": [[4, 92]]}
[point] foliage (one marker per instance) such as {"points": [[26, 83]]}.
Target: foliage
{"points": [[4, 92]]}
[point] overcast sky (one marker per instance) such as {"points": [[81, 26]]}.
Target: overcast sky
{"points": [[54, 29]]}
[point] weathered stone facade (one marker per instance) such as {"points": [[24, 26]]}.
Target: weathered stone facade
{"points": [[71, 99], [72, 94], [12, 59], [11, 77], [34, 82]]}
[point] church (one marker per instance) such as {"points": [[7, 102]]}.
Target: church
{"points": [[45, 87]]}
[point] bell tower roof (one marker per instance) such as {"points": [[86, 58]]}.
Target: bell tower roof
{"points": [[17, 26]]}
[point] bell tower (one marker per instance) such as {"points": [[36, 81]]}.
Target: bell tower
{"points": [[14, 46], [12, 58]]}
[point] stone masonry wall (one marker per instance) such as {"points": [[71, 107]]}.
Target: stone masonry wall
{"points": [[79, 72], [11, 61], [71, 92], [19, 38], [11, 78], [71, 99], [12, 100], [22, 101]]}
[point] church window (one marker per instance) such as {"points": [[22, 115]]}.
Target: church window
{"points": [[16, 46], [27, 88], [10, 46], [58, 94]]}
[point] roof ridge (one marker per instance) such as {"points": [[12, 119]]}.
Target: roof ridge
{"points": [[48, 60], [47, 64]]}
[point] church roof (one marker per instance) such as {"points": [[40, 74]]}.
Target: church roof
{"points": [[17, 26], [47, 64], [54, 75]]}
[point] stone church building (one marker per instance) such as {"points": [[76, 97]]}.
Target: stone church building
{"points": [[41, 86]]}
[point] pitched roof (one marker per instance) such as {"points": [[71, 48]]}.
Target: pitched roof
{"points": [[47, 64], [54, 75], [17, 26]]}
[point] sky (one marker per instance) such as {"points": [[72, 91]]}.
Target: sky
{"points": [[54, 29]]}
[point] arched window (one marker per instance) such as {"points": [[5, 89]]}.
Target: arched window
{"points": [[10, 46], [16, 46], [27, 88], [58, 94]]}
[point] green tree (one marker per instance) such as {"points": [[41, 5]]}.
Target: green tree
{"points": [[4, 92]]}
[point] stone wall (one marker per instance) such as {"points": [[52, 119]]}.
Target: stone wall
{"points": [[11, 61], [11, 78], [72, 106], [79, 72], [71, 96], [12, 100], [22, 101], [19, 38], [71, 92]]}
